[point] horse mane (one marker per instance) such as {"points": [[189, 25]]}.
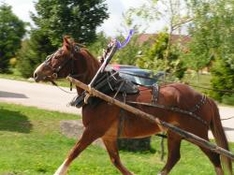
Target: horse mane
{"points": [[90, 66]]}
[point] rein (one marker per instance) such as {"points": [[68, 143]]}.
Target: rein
{"points": [[212, 89], [73, 76], [173, 109], [68, 92]]}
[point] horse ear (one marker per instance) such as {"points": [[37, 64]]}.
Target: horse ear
{"points": [[67, 42]]}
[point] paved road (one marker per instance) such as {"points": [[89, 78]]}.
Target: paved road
{"points": [[37, 94], [52, 98]]}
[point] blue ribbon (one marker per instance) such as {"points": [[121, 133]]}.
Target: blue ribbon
{"points": [[121, 45]]}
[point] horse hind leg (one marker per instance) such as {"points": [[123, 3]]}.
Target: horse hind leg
{"points": [[173, 144], [215, 159], [111, 146], [86, 139]]}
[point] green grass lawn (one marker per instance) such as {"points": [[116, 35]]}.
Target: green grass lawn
{"points": [[200, 82], [31, 144]]}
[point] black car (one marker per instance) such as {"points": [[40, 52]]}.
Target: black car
{"points": [[138, 75]]}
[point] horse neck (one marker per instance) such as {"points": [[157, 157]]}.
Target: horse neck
{"points": [[88, 68]]}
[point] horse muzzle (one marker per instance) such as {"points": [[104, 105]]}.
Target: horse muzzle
{"points": [[41, 73], [39, 77]]}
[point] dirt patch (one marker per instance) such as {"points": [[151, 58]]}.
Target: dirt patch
{"points": [[74, 129], [71, 128]]}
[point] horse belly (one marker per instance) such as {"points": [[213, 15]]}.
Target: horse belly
{"points": [[137, 127]]}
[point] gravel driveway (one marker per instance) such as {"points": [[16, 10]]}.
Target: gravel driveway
{"points": [[50, 97]]}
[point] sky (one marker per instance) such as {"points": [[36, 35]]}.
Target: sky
{"points": [[115, 7]]}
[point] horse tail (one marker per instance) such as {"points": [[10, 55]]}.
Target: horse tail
{"points": [[219, 135]]}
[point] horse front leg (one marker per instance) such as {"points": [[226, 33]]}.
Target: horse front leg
{"points": [[86, 139]]}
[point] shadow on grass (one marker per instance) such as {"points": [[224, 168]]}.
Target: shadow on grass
{"points": [[14, 121]]}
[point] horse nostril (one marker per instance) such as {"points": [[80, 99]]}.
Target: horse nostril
{"points": [[35, 75]]}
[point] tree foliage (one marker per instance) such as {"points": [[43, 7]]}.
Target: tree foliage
{"points": [[159, 58], [172, 14], [213, 39], [53, 20], [12, 30], [78, 19], [223, 79], [33, 52], [130, 53], [99, 44], [204, 35], [164, 54]]}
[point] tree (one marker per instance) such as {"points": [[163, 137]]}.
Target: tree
{"points": [[164, 54], [33, 52], [12, 30], [54, 19], [202, 42], [172, 13], [130, 53], [79, 19], [159, 59], [222, 78], [97, 46], [212, 41]]}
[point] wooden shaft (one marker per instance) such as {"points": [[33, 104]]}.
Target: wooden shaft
{"points": [[187, 135]]}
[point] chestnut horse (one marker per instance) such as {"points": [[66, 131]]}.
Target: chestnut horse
{"points": [[110, 122]]}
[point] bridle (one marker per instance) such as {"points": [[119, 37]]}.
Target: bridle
{"points": [[71, 59]]}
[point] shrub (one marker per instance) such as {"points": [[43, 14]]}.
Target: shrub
{"points": [[13, 62], [222, 78], [228, 99]]}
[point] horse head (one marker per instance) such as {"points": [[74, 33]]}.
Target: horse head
{"points": [[71, 59]]}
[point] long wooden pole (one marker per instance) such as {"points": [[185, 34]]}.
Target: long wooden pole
{"points": [[187, 135]]}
